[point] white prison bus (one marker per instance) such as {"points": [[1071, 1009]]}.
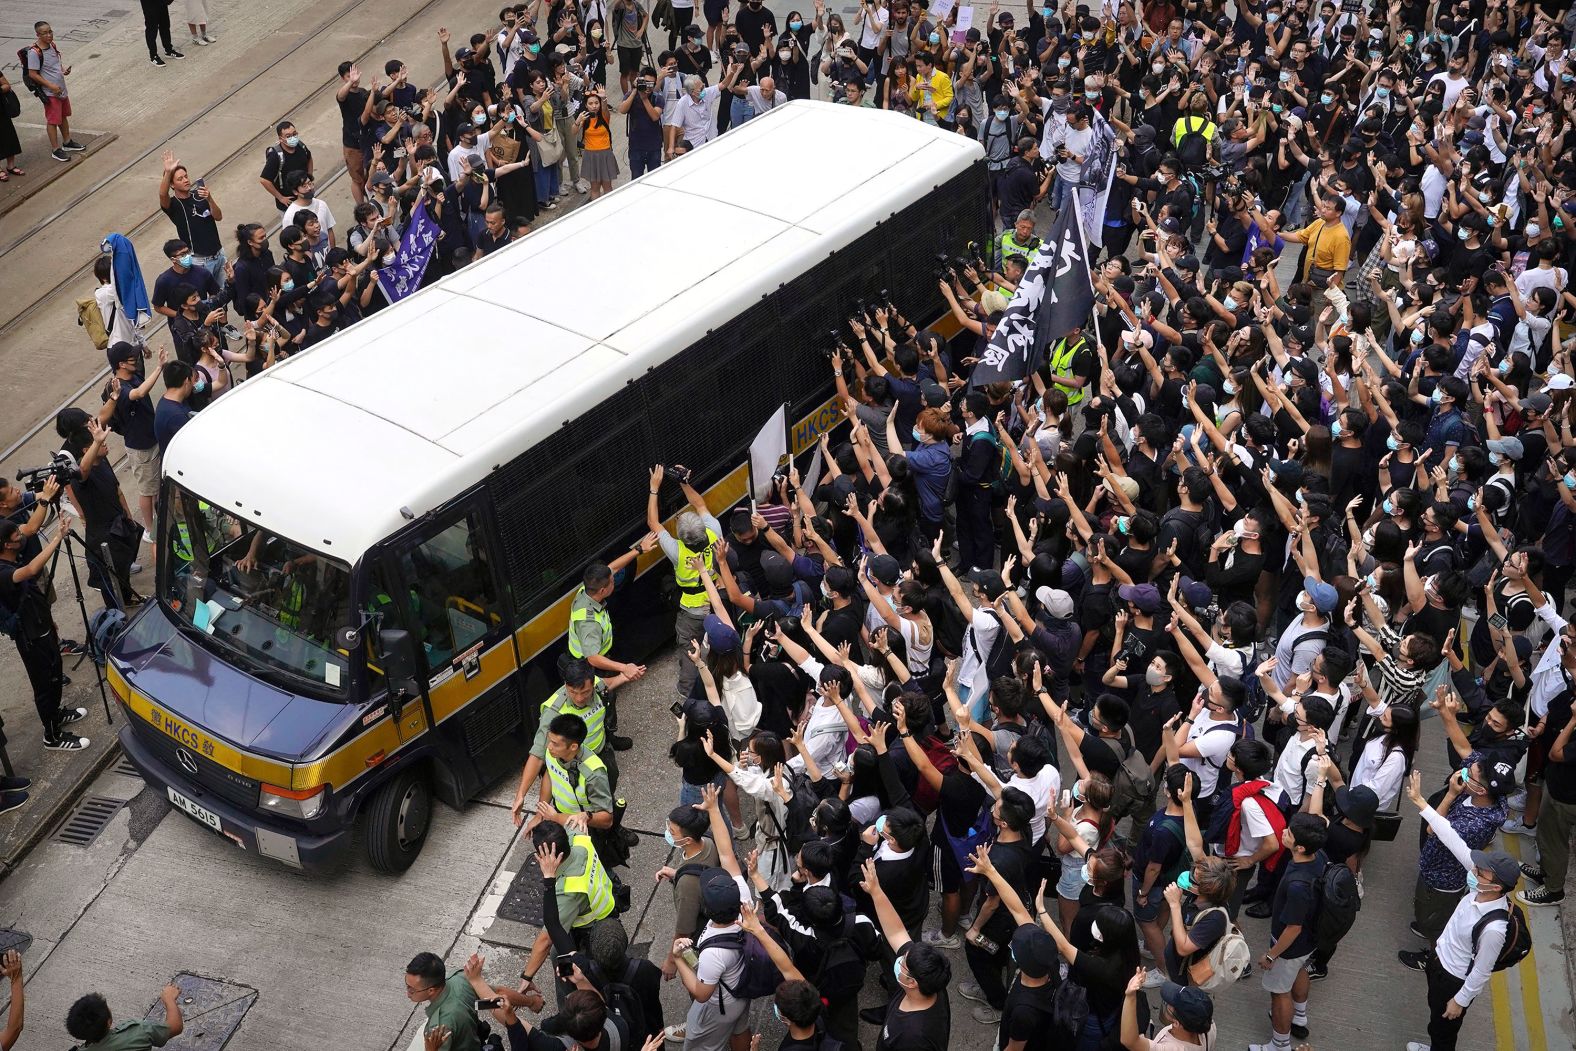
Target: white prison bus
{"points": [[368, 551]]}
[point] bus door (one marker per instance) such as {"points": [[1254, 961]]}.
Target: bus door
{"points": [[451, 590]]}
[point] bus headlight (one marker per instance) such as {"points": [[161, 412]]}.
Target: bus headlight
{"points": [[302, 804]]}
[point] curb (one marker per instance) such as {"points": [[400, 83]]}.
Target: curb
{"points": [[57, 811], [11, 201]]}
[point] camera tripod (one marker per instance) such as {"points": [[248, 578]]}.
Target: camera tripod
{"points": [[106, 570]]}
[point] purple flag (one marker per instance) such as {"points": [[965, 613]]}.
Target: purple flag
{"points": [[403, 276]]}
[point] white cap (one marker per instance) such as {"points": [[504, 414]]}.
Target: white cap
{"points": [[1559, 381], [1056, 602]]}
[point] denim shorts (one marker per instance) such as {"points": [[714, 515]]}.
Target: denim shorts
{"points": [[1147, 913]]}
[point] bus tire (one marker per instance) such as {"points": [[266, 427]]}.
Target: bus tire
{"points": [[397, 820]]}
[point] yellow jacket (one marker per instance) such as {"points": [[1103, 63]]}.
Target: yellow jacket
{"points": [[940, 86]]}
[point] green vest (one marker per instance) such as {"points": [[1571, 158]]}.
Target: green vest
{"points": [[692, 593], [1007, 244], [580, 611], [569, 796], [1062, 363], [593, 882], [593, 716]]}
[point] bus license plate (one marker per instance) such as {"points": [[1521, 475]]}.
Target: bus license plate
{"points": [[202, 814]]}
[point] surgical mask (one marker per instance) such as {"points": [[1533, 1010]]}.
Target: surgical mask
{"points": [[1472, 881], [1484, 196], [1435, 397], [186, 260], [1083, 872], [1494, 457], [897, 970], [479, 118], [1154, 676], [1410, 40], [199, 386], [1504, 370], [1388, 507], [919, 435], [1230, 303], [1326, 99], [1372, 580], [534, 49], [1472, 503], [1287, 707], [1533, 230], [1091, 95], [1185, 881], [1463, 233], [293, 141], [1570, 479], [1455, 464], [596, 32], [1285, 78], [1078, 791], [935, 38], [1335, 428], [796, 25], [667, 836], [1063, 62], [1417, 337], [1272, 17], [1240, 528], [287, 285], [785, 53], [1157, 67], [1045, 12], [1392, 443], [1228, 387], [1122, 523], [1275, 107], [1001, 114], [776, 1013]]}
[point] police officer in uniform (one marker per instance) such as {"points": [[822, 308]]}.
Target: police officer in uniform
{"points": [[591, 628], [1020, 240], [583, 696], [698, 532], [1069, 364], [576, 885]]}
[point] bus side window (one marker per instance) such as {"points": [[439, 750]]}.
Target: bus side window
{"points": [[383, 614], [453, 600]]}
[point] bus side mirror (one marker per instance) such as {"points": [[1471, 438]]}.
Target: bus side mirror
{"points": [[398, 666]]}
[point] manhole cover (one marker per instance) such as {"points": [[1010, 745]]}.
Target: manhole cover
{"points": [[86, 820], [523, 902], [21, 941], [212, 1008]]}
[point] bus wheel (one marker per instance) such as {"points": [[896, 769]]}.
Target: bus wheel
{"points": [[397, 821]]}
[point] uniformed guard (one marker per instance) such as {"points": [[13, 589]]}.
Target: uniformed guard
{"points": [[698, 532], [576, 886], [584, 695], [591, 628], [1020, 240], [89, 1020], [1061, 362]]}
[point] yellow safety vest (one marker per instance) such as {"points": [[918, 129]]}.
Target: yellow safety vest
{"points": [[1062, 362], [1007, 244], [569, 797], [692, 593], [593, 882], [582, 611], [593, 717]]}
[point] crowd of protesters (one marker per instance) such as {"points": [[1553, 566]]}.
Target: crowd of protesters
{"points": [[1041, 689]]}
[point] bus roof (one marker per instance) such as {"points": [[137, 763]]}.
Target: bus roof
{"points": [[422, 400]]}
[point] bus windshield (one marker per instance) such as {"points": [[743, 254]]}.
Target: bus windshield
{"points": [[273, 606]]}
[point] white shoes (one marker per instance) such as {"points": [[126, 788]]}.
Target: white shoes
{"points": [[1517, 800], [933, 937], [582, 186], [1514, 827], [1154, 979], [1359, 880], [1415, 1045], [198, 41]]}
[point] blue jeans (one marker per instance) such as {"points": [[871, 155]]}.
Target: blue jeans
{"points": [[1059, 193], [739, 112], [546, 183], [643, 161], [690, 794]]}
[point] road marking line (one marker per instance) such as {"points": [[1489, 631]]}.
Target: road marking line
{"points": [[487, 911], [1527, 974], [1504, 1025]]}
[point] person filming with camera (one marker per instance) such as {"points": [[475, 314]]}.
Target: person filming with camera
{"points": [[106, 518], [26, 617]]}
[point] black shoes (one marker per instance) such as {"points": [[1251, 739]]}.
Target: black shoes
{"points": [[172, 53], [1259, 910], [1418, 961], [1317, 972], [10, 801], [157, 61], [621, 744]]}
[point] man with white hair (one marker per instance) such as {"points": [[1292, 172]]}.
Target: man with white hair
{"points": [[693, 118], [698, 534]]}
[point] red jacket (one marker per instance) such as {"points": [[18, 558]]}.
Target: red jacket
{"points": [[1240, 795]]}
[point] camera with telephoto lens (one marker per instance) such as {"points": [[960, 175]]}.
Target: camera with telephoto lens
{"points": [[944, 271], [62, 469]]}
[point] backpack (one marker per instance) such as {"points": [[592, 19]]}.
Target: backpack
{"points": [[1000, 471], [1227, 960], [625, 1006], [90, 320], [104, 627], [1257, 698], [1193, 148], [1518, 936], [802, 802], [1195, 542], [841, 966], [1134, 784], [998, 661], [760, 977], [1035, 728], [1338, 904], [10, 621], [1184, 863], [21, 58], [1070, 1009]]}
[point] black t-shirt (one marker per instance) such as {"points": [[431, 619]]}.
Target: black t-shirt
{"points": [[165, 284], [278, 164], [135, 416], [962, 799], [1343, 842], [1103, 978], [1147, 716], [1162, 843], [193, 221], [752, 25], [1436, 623], [1028, 1016], [1207, 928], [25, 600], [1295, 902], [1230, 230], [842, 625], [927, 1030], [98, 494], [353, 133], [1016, 863]]}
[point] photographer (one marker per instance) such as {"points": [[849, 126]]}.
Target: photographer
{"points": [[644, 125], [25, 616], [97, 496]]}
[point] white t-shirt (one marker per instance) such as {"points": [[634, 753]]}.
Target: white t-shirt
{"points": [[1291, 776], [1075, 141], [1381, 771], [319, 208], [1212, 748], [717, 964], [977, 644], [1254, 826], [739, 701], [1454, 86], [873, 27], [483, 140], [1554, 278], [1041, 788]]}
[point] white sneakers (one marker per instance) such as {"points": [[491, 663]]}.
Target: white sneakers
{"points": [[933, 937], [1513, 826], [1154, 979]]}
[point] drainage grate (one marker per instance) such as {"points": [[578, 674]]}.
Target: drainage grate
{"points": [[83, 825], [127, 767], [523, 901]]}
